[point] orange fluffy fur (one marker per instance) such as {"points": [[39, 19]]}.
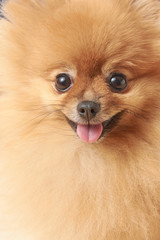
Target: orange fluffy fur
{"points": [[52, 185]]}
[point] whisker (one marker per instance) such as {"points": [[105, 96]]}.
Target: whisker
{"points": [[47, 114], [128, 105], [42, 107], [139, 113], [44, 116], [46, 106], [134, 114]]}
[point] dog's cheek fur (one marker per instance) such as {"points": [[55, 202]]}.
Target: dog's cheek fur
{"points": [[55, 187]]}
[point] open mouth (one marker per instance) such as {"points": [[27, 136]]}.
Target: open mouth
{"points": [[91, 133]]}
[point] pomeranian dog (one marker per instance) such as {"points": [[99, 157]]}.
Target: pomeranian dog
{"points": [[80, 120]]}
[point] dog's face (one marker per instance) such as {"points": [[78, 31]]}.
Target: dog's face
{"points": [[91, 67], [75, 71]]}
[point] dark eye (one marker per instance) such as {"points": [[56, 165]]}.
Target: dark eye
{"points": [[118, 81], [63, 82]]}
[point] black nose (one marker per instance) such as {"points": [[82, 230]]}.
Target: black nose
{"points": [[88, 110]]}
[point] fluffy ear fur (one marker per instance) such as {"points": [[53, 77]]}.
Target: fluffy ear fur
{"points": [[25, 6], [149, 9]]}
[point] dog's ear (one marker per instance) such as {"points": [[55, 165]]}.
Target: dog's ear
{"points": [[149, 9], [15, 9]]}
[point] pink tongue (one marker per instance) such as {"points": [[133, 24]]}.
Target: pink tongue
{"points": [[89, 133]]}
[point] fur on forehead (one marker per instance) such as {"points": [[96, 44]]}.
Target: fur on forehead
{"points": [[148, 7], [77, 33]]}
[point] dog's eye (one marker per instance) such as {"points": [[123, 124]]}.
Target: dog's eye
{"points": [[63, 82], [118, 81]]}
